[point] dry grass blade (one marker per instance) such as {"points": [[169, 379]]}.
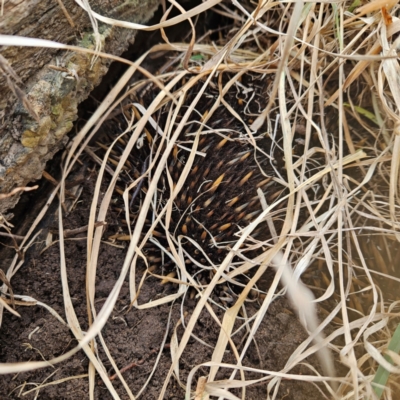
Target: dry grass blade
{"points": [[325, 212], [302, 299], [72, 318], [130, 25], [10, 309], [36, 389]]}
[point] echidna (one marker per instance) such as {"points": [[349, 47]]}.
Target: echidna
{"points": [[219, 196]]}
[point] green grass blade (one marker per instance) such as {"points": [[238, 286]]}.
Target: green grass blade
{"points": [[382, 375]]}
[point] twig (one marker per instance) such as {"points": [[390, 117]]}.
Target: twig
{"points": [[72, 232], [10, 235], [66, 13]]}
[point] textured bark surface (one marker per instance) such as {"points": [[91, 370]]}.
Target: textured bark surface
{"points": [[26, 144]]}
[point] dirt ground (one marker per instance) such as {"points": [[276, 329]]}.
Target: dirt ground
{"points": [[132, 336]]}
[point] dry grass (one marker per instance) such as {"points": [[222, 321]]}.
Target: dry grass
{"points": [[315, 51]]}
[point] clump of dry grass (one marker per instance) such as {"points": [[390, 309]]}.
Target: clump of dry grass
{"points": [[333, 59]]}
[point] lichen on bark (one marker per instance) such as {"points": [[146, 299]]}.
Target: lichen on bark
{"points": [[54, 82]]}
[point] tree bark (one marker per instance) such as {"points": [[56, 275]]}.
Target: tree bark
{"points": [[52, 81]]}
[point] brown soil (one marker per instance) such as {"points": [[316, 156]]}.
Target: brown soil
{"points": [[132, 336]]}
